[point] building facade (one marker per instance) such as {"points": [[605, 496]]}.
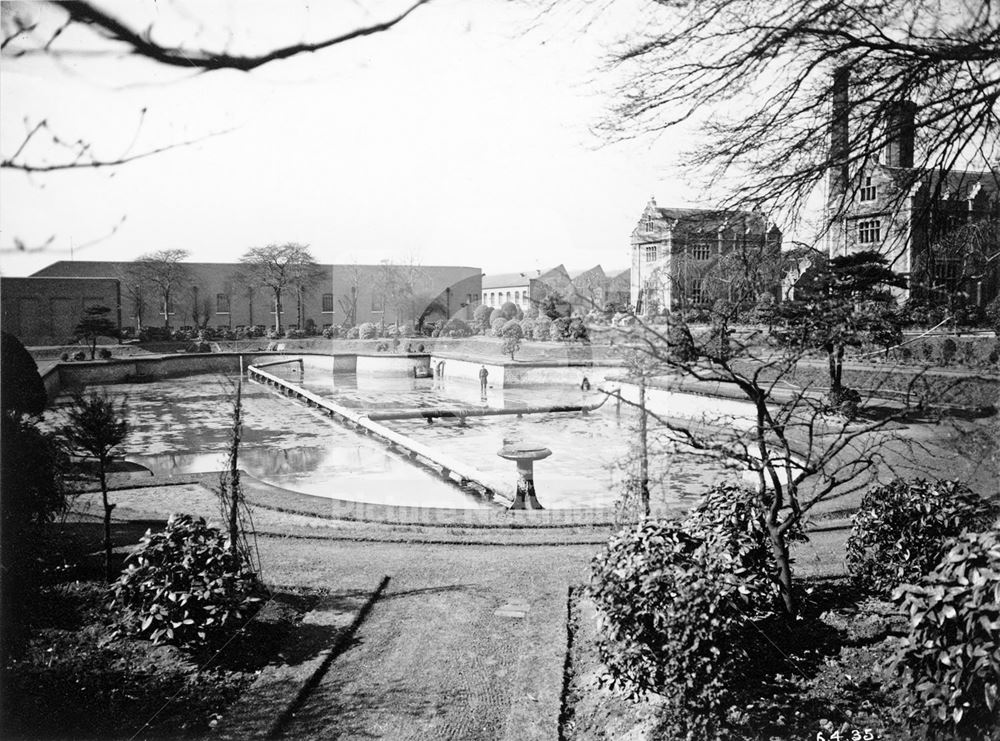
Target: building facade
{"points": [[44, 308], [938, 227], [688, 257]]}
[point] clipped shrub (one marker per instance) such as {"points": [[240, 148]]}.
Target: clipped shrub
{"points": [[353, 333], [496, 314], [900, 529], [527, 328], [510, 310], [674, 621], [367, 331], [104, 353], [680, 343], [184, 585], [382, 347], [456, 328], [332, 332], [512, 328], [294, 334], [496, 326], [543, 328], [79, 355], [481, 318], [531, 312], [950, 662], [64, 357]]}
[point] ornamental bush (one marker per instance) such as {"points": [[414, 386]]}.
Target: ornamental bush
{"points": [[456, 328], [531, 312], [900, 529], [184, 585], [950, 662], [496, 326], [509, 310], [543, 327], [367, 331], [674, 621], [481, 318], [527, 328], [735, 517]]}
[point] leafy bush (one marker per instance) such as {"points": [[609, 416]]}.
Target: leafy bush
{"points": [[674, 620], [993, 315], [497, 325], [79, 355], [951, 660], [456, 328], [900, 529], [527, 328], [353, 333], [184, 585], [543, 326], [367, 331], [293, 333], [332, 332], [481, 318], [64, 357], [104, 353], [531, 312], [734, 516], [510, 310]]}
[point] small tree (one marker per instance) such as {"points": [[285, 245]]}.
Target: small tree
{"points": [[95, 323], [97, 426], [166, 273], [512, 335], [481, 318], [844, 303]]}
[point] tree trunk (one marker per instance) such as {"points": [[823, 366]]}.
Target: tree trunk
{"points": [[234, 470], [834, 376], [277, 311], [643, 449], [93, 347], [779, 548], [108, 573]]}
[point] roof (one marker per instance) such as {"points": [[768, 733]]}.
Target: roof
{"points": [[958, 185], [502, 280]]}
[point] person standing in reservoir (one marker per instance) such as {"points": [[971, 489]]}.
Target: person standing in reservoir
{"points": [[483, 375]]}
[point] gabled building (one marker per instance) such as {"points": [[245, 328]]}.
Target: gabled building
{"points": [[939, 227], [685, 257]]}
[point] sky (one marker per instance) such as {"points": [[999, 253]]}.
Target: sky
{"points": [[465, 135]]}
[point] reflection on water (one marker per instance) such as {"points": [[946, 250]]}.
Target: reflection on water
{"points": [[181, 425]]}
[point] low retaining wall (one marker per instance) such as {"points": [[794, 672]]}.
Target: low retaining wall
{"points": [[688, 404], [506, 375], [391, 365]]}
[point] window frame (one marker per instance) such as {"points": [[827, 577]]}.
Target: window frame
{"points": [[650, 252], [868, 191], [870, 231], [218, 303], [324, 309]]}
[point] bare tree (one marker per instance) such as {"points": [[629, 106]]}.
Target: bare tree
{"points": [[137, 288], [348, 302], [41, 29], [799, 452], [779, 65], [166, 274], [278, 267]]}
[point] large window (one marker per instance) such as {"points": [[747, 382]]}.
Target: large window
{"points": [[221, 303], [650, 253], [870, 232], [868, 190], [328, 302], [701, 250], [517, 297], [697, 292], [946, 274], [378, 302]]}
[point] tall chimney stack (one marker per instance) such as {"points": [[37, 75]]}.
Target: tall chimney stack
{"points": [[900, 132], [840, 140]]}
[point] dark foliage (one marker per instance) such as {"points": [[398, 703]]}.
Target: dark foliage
{"points": [[22, 390]]}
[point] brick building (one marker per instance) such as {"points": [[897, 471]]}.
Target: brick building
{"points": [[679, 255], [44, 308]]}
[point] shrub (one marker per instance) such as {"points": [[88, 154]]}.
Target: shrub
{"points": [[104, 353], [79, 355], [543, 327], [951, 660], [481, 318], [527, 328], [332, 332], [456, 328], [735, 518], [496, 314], [510, 310], [367, 331], [993, 315], [531, 312], [900, 529], [184, 585], [353, 333], [674, 620], [497, 325], [680, 344], [382, 347], [294, 333], [948, 350], [64, 357]]}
